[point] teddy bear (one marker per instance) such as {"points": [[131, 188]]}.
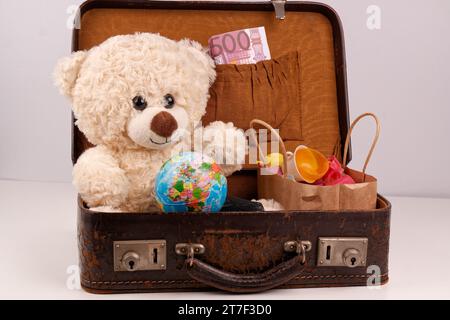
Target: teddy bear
{"points": [[139, 99]]}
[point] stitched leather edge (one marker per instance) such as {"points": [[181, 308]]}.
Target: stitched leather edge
{"points": [[323, 277]]}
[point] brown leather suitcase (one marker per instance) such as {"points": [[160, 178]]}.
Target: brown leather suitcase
{"points": [[238, 251]]}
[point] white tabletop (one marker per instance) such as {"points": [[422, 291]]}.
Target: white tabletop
{"points": [[39, 251]]}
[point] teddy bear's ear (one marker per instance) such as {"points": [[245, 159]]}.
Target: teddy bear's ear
{"points": [[202, 57], [67, 70]]}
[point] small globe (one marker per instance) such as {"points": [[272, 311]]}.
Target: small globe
{"points": [[190, 182]]}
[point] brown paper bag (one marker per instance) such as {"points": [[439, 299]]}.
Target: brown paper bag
{"points": [[293, 195]]}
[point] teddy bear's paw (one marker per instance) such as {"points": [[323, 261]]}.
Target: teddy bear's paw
{"points": [[99, 180], [226, 144], [105, 209], [228, 170], [101, 191]]}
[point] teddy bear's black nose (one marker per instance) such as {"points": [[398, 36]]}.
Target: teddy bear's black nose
{"points": [[164, 124]]}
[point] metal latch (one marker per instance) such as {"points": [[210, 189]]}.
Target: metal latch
{"points": [[342, 252], [280, 10], [189, 249], [299, 247], [140, 255]]}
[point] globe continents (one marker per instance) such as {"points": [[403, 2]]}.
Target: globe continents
{"points": [[190, 182]]}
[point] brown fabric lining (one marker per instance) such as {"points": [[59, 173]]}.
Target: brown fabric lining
{"points": [[268, 90]]}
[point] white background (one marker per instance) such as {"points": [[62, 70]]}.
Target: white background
{"points": [[401, 72]]}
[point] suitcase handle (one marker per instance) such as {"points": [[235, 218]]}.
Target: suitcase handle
{"points": [[227, 281]]}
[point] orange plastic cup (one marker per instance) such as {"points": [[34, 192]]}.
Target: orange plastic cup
{"points": [[307, 164]]}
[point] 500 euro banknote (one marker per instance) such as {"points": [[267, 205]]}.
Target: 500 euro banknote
{"points": [[246, 46]]}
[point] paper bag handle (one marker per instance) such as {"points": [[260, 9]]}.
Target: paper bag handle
{"points": [[374, 142], [275, 133]]}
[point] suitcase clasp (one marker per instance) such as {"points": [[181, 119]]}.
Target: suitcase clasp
{"points": [[280, 10], [342, 252], [139, 255]]}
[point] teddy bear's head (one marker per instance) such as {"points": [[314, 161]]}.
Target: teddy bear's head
{"points": [[140, 90]]}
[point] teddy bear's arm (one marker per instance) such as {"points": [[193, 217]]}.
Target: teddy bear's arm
{"points": [[99, 179], [226, 144]]}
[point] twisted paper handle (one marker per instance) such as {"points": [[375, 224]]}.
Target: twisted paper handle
{"points": [[374, 142], [275, 133]]}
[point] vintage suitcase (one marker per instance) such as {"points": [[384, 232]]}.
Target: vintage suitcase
{"points": [[238, 251]]}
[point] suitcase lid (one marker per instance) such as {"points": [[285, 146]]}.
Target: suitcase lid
{"points": [[311, 33]]}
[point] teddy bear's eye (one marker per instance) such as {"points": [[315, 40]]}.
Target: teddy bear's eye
{"points": [[139, 103], [170, 101]]}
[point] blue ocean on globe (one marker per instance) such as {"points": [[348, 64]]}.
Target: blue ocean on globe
{"points": [[190, 182]]}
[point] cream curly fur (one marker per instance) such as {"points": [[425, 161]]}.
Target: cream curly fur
{"points": [[118, 174]]}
